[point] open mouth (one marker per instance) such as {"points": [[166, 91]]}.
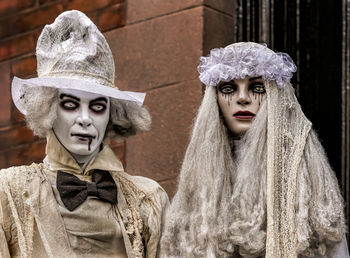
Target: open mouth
{"points": [[244, 115], [84, 136]]}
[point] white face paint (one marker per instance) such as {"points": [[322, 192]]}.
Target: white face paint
{"points": [[239, 101], [81, 122]]}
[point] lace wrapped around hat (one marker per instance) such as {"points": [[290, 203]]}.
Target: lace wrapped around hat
{"points": [[243, 59], [72, 53]]}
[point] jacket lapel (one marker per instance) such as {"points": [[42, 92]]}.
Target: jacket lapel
{"points": [[122, 213], [47, 217]]}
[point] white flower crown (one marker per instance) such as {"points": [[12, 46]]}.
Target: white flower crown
{"points": [[238, 60]]}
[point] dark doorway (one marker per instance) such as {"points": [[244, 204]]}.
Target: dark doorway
{"points": [[316, 34]]}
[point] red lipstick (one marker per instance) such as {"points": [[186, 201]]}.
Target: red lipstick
{"points": [[244, 115]]}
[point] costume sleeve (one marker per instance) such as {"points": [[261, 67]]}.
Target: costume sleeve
{"points": [[154, 222], [4, 249]]}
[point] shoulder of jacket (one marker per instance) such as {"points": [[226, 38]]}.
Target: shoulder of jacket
{"points": [[145, 184], [19, 175]]}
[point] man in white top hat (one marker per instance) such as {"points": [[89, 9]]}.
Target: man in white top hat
{"points": [[79, 202]]}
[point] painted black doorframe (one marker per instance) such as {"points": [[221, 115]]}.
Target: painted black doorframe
{"points": [[316, 34], [346, 107]]}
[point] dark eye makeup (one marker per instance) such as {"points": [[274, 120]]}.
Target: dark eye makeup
{"points": [[97, 107], [69, 104], [257, 87], [227, 88]]}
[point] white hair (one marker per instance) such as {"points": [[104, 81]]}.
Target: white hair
{"points": [[219, 209]]}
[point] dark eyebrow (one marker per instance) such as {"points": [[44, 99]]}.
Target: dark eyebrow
{"points": [[100, 99], [255, 78], [69, 96]]}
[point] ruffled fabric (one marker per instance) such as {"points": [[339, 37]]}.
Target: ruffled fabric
{"points": [[238, 60]]}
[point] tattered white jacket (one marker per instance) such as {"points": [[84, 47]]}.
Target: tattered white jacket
{"points": [[31, 224]]}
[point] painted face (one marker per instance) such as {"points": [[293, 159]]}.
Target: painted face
{"points": [[239, 101], [81, 122]]}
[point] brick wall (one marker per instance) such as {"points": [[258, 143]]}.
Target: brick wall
{"points": [[21, 22]]}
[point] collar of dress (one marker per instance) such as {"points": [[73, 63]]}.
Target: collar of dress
{"points": [[58, 158]]}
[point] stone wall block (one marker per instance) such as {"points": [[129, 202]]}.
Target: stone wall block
{"points": [[157, 52], [158, 154], [119, 149], [111, 17], [225, 6], [218, 30], [170, 186], [90, 5], [139, 10]]}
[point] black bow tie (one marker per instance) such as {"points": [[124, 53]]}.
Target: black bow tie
{"points": [[74, 191]]}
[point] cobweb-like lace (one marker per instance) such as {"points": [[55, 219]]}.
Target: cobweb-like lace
{"points": [[245, 59]]}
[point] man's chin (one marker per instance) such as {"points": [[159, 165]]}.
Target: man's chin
{"points": [[82, 150]]}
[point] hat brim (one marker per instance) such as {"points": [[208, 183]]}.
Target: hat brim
{"points": [[18, 85]]}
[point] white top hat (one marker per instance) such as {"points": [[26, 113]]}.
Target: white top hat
{"points": [[73, 54]]}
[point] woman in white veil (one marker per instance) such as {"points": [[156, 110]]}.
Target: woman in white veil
{"points": [[255, 181]]}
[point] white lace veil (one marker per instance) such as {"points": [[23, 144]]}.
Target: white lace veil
{"points": [[273, 194]]}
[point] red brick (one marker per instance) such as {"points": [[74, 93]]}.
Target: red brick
{"points": [[24, 67], [15, 136], [111, 17], [16, 116], [26, 155], [3, 160], [9, 7], [29, 21], [16, 46], [91, 5], [47, 1], [36, 35], [5, 96]]}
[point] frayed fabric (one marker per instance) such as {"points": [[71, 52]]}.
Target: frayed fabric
{"points": [[73, 54]]}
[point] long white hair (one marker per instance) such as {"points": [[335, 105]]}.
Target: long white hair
{"points": [[220, 207]]}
